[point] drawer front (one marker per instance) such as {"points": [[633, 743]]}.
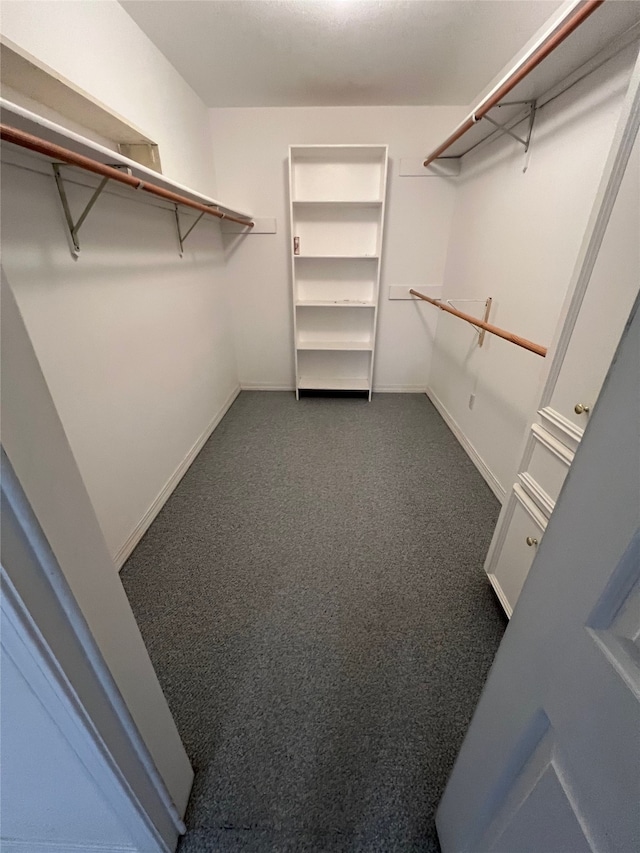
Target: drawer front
{"points": [[548, 467], [512, 562]]}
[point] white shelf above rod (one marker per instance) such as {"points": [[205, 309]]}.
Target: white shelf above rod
{"points": [[116, 168]]}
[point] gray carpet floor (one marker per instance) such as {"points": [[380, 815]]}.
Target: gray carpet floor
{"points": [[313, 600]]}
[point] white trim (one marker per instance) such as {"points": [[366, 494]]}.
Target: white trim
{"points": [[125, 550], [530, 508], [399, 389], [502, 598], [265, 386], [500, 533], [560, 450], [536, 492], [11, 845], [564, 430], [377, 389], [491, 480]]}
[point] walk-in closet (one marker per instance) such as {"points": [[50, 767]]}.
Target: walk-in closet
{"points": [[320, 426]]}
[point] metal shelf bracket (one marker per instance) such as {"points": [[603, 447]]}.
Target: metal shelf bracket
{"points": [[74, 227], [182, 237], [503, 129], [485, 317]]}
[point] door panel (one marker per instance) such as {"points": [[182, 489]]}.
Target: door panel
{"points": [[569, 663], [558, 833]]}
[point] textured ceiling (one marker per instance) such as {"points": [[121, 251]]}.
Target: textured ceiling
{"points": [[254, 53]]}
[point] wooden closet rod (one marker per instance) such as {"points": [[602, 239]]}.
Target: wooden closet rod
{"points": [[570, 24], [494, 330], [57, 152]]}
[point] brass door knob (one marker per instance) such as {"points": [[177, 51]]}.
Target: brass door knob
{"points": [[580, 409], [530, 540]]}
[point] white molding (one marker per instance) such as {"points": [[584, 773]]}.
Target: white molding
{"points": [[560, 450], [126, 549], [377, 389], [537, 493], [530, 508], [11, 845], [568, 433], [500, 533], [265, 386], [491, 480], [399, 389], [495, 583]]}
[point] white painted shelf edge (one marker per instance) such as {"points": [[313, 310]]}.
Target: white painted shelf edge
{"points": [[331, 383], [52, 132], [333, 303], [339, 257], [336, 203], [363, 346]]}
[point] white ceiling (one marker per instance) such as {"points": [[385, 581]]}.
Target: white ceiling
{"points": [[258, 53]]}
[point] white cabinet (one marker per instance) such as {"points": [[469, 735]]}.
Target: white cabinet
{"points": [[337, 198], [600, 299], [523, 533]]}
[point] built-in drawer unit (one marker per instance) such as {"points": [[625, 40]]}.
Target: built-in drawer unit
{"points": [[547, 469], [524, 527]]}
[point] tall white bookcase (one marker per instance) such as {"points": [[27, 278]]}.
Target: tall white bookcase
{"points": [[337, 199]]}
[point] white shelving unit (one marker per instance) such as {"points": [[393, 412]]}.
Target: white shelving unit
{"points": [[337, 199]]}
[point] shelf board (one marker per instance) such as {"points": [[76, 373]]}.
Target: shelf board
{"points": [[334, 303], [338, 203], [593, 40], [332, 383], [339, 257], [30, 122], [365, 346]]}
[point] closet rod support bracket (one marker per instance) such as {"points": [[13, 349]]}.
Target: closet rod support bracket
{"points": [[182, 237], [74, 227], [485, 317], [504, 129]]}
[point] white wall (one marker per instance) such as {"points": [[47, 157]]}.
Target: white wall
{"points": [[135, 343], [251, 150], [515, 237], [99, 48]]}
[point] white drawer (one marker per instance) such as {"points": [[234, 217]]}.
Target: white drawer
{"points": [[512, 560], [547, 469]]}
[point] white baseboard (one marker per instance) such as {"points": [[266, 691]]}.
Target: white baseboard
{"points": [[471, 452], [502, 598], [265, 386], [381, 389], [123, 553], [399, 389], [12, 845]]}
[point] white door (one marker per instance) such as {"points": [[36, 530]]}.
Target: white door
{"points": [[551, 761]]}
